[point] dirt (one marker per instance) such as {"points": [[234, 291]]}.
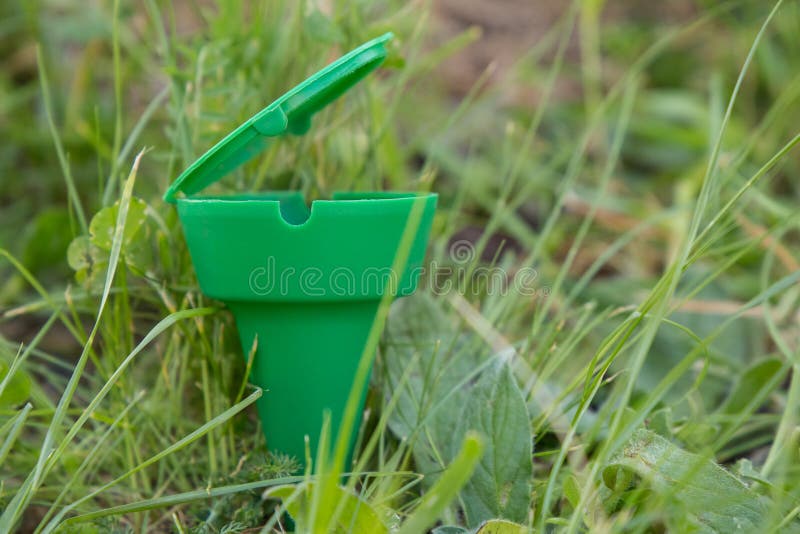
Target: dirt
{"points": [[509, 29]]}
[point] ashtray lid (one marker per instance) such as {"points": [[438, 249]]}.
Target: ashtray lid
{"points": [[291, 113]]}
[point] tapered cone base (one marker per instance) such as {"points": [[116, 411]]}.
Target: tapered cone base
{"points": [[307, 283], [306, 360]]}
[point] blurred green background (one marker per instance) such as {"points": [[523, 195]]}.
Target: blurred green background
{"points": [[572, 137]]}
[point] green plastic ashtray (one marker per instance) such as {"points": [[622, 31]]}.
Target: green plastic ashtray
{"points": [[304, 283]]}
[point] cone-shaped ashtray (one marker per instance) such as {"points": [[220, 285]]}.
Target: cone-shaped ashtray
{"points": [[305, 283]]}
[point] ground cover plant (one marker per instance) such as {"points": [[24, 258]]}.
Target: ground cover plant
{"points": [[606, 336]]}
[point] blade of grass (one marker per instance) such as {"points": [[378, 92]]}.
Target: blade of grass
{"points": [[439, 497], [110, 185], [23, 496], [87, 461], [22, 355], [217, 421], [87, 412], [12, 429], [180, 498], [662, 294], [72, 191]]}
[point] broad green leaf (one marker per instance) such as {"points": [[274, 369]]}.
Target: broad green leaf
{"points": [[694, 493], [450, 529], [754, 383], [744, 469], [501, 526], [436, 500], [17, 387], [493, 526], [698, 433], [88, 255], [501, 484], [661, 422], [89, 262], [572, 490], [439, 360], [46, 239], [139, 252], [101, 229], [79, 253], [357, 516]]}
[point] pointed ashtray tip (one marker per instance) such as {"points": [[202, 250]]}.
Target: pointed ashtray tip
{"points": [[306, 361]]}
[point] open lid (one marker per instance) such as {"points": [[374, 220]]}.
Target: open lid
{"points": [[291, 113]]}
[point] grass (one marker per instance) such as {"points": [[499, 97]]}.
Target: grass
{"points": [[646, 377]]}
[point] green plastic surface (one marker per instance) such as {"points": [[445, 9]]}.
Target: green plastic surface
{"points": [[304, 282], [309, 291], [291, 113]]}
